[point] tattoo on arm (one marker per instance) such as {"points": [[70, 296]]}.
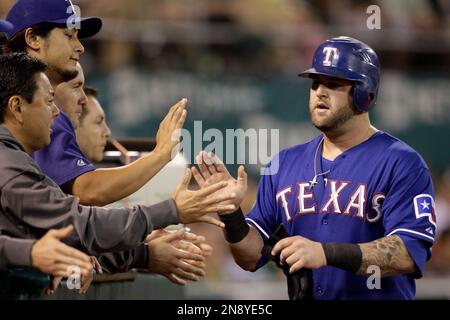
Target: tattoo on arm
{"points": [[389, 254]]}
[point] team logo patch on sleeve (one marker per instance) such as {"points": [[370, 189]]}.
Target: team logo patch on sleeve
{"points": [[424, 207]]}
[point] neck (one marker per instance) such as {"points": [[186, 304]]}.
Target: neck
{"points": [[353, 132], [52, 75], [20, 137]]}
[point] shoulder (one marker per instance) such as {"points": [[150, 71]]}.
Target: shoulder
{"points": [[14, 163], [398, 153]]}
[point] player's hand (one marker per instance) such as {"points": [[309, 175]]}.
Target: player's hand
{"points": [[52, 256], [197, 243], [174, 257], [54, 284], [212, 170], [168, 136], [194, 206], [299, 252], [86, 281]]}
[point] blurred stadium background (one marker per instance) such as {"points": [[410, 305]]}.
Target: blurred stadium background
{"points": [[237, 63]]}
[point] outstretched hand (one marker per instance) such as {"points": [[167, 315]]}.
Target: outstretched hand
{"points": [[212, 170], [194, 206]]}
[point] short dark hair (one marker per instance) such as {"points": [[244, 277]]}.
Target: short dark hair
{"points": [[17, 71], [18, 43], [90, 92]]}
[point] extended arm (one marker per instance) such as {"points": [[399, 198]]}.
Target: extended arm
{"points": [[104, 186]]}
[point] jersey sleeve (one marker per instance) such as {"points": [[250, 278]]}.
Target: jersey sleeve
{"points": [[63, 160], [408, 211], [263, 214]]}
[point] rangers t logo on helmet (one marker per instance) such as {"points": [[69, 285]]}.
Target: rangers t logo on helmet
{"points": [[331, 55]]}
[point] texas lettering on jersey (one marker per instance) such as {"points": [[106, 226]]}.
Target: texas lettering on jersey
{"points": [[355, 204]]}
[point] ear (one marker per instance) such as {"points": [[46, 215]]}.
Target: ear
{"points": [[33, 41], [15, 106]]}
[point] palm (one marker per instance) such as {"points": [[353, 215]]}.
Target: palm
{"points": [[213, 171]]}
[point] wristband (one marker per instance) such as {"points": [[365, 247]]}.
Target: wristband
{"points": [[346, 256], [236, 228]]}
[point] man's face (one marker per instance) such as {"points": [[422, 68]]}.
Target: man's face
{"points": [[61, 50], [93, 131], [70, 97], [38, 116], [330, 103]]}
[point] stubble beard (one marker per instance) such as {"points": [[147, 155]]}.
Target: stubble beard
{"points": [[60, 75], [335, 120]]}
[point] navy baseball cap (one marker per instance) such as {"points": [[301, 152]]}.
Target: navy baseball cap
{"points": [[5, 26], [27, 13]]}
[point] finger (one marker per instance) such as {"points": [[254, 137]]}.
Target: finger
{"points": [[286, 253], [198, 177], [182, 274], [188, 246], [172, 236], [206, 249], [181, 119], [242, 175], [183, 185], [197, 264], [218, 198], [212, 188], [210, 163], [68, 251], [54, 284], [85, 284], [297, 266], [97, 267], [176, 280], [180, 104], [293, 258], [222, 208], [181, 254], [192, 237], [211, 220], [219, 165], [202, 165], [283, 243], [155, 235], [61, 233], [70, 260], [189, 268]]}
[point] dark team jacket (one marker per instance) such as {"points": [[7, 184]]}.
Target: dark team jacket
{"points": [[31, 204]]}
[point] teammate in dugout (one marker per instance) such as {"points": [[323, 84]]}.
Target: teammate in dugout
{"points": [[351, 198], [44, 253], [41, 31]]}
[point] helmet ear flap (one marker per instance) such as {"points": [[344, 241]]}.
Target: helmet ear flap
{"points": [[363, 98]]}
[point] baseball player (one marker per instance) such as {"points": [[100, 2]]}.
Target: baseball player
{"points": [[44, 253], [356, 202]]}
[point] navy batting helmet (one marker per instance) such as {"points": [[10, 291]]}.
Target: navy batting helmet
{"points": [[350, 59]]}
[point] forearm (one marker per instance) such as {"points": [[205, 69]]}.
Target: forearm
{"points": [[247, 252], [104, 186], [389, 254], [123, 261], [15, 252]]}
